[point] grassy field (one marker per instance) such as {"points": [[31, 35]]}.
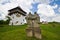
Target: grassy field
{"points": [[49, 32]]}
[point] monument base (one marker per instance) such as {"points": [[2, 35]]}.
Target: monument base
{"points": [[33, 31]]}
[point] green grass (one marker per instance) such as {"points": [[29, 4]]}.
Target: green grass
{"points": [[49, 32]]}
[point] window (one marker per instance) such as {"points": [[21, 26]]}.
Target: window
{"points": [[16, 22], [18, 15], [21, 23], [23, 19], [13, 17]]}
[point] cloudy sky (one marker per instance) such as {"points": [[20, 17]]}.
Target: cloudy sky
{"points": [[48, 10]]}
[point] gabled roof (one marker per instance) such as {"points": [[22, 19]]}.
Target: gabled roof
{"points": [[16, 10]]}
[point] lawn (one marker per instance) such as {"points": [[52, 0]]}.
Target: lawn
{"points": [[48, 31]]}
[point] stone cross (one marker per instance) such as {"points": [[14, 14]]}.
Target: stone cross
{"points": [[33, 29]]}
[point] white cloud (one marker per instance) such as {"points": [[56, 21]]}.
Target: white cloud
{"points": [[45, 10], [2, 16], [59, 9], [22, 3], [55, 6], [4, 9], [43, 1], [26, 5], [4, 1], [56, 18]]}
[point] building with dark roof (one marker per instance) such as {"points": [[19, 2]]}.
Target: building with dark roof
{"points": [[17, 16]]}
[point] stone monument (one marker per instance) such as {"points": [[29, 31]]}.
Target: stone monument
{"points": [[33, 29]]}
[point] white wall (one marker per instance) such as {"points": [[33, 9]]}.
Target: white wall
{"points": [[19, 19]]}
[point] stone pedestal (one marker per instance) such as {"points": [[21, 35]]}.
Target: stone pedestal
{"points": [[36, 32]]}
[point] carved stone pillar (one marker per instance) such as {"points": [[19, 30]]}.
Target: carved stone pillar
{"points": [[33, 30]]}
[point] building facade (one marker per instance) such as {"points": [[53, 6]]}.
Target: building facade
{"points": [[17, 16]]}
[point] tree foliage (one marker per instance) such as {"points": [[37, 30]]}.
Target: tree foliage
{"points": [[2, 22]]}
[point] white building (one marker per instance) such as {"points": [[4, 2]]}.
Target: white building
{"points": [[44, 22], [17, 16]]}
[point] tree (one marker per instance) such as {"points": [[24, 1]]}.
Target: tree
{"points": [[8, 20]]}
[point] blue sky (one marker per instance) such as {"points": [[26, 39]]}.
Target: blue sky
{"points": [[34, 9], [48, 10], [52, 4], [56, 2]]}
